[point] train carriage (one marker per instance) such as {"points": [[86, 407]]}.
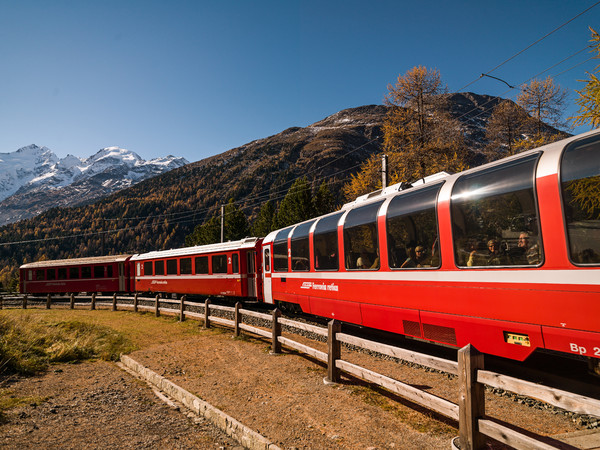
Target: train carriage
{"points": [[107, 274], [505, 256], [229, 269]]}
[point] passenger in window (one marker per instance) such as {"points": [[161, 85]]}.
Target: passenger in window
{"points": [[363, 261], [375, 264], [411, 261], [528, 254]]}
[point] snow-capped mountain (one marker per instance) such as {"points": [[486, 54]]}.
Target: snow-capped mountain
{"points": [[33, 179]]}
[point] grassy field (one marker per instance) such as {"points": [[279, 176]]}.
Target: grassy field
{"points": [[32, 339]]}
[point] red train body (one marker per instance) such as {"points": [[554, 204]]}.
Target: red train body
{"points": [[505, 256], [230, 269], [98, 274]]}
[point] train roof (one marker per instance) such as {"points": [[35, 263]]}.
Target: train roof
{"points": [[210, 248], [403, 188], [76, 261]]}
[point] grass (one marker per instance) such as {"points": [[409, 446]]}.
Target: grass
{"points": [[31, 340]]}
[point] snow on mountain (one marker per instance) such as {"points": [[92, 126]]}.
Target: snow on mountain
{"points": [[33, 179]]}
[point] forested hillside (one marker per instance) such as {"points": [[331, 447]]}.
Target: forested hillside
{"points": [[158, 213]]}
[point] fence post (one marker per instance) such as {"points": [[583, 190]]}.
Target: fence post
{"points": [[157, 307], [114, 307], [206, 313], [182, 309], [1, 299], [93, 301], [334, 350], [276, 332], [25, 302], [135, 303], [471, 399], [237, 318], [48, 301], [72, 302]]}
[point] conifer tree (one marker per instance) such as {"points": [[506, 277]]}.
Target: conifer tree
{"points": [[296, 206], [323, 200], [545, 101], [207, 233], [263, 223], [589, 96], [506, 126], [236, 224]]}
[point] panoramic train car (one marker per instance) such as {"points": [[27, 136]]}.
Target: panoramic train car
{"points": [[229, 269], [505, 256], [98, 274]]}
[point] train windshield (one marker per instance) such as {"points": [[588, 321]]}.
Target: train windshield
{"points": [[580, 185], [494, 216]]}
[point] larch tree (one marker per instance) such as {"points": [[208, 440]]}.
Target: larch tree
{"points": [[420, 136], [589, 96], [545, 101], [505, 128]]}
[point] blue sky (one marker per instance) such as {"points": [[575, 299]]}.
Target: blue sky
{"points": [[196, 78]]}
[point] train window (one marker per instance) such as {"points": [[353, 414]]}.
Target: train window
{"points": [[30, 275], [40, 274], [185, 266], [412, 230], [219, 264], [73, 273], [109, 271], [580, 185], [494, 216], [171, 267], [148, 268], [86, 272], [267, 261], [98, 271], [299, 248], [159, 267], [51, 274], [62, 273], [201, 264], [280, 251], [235, 263], [325, 243], [361, 245]]}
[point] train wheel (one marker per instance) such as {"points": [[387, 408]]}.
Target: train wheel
{"points": [[594, 366]]}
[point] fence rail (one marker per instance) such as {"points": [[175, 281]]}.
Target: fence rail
{"points": [[474, 425]]}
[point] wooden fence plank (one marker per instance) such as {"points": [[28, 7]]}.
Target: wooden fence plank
{"points": [[321, 356], [247, 312], [304, 326], [221, 320], [425, 360], [555, 397], [515, 439], [222, 308], [259, 331], [438, 404]]}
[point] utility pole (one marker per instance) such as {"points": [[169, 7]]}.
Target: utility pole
{"points": [[384, 171], [222, 222]]}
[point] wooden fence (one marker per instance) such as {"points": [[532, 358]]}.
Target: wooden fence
{"points": [[474, 425]]}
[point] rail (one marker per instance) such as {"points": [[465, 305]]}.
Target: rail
{"points": [[473, 423]]}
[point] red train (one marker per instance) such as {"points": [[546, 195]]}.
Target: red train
{"points": [[505, 256]]}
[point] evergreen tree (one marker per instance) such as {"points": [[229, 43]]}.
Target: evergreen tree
{"points": [[589, 96], [263, 223], [236, 224], [323, 200], [207, 233], [296, 206]]}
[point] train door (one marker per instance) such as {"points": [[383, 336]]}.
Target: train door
{"points": [[250, 255], [268, 293], [121, 277]]}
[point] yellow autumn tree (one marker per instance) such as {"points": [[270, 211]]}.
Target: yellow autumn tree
{"points": [[589, 96], [420, 136]]}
